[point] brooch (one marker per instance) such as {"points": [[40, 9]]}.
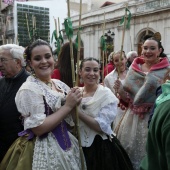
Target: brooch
{"points": [[83, 106]]}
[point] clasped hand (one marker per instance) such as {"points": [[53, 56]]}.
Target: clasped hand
{"points": [[117, 85], [73, 97]]}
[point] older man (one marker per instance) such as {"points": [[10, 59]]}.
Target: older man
{"points": [[12, 68], [130, 57]]}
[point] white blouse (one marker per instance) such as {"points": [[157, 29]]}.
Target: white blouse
{"points": [[103, 108], [30, 102]]}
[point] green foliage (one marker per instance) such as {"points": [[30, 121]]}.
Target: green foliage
{"points": [[103, 43], [68, 28], [128, 19]]}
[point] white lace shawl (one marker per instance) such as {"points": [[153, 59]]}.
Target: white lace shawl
{"points": [[103, 107], [30, 103]]}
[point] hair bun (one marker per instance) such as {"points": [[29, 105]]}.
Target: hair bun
{"points": [[157, 36]]}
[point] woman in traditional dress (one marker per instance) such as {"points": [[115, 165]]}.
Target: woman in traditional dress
{"points": [[120, 66], [139, 92], [45, 109], [97, 111]]}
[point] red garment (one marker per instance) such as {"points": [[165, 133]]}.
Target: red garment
{"points": [[81, 84], [163, 63], [56, 74], [108, 68]]}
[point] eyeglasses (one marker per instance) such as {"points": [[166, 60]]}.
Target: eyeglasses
{"points": [[3, 60]]}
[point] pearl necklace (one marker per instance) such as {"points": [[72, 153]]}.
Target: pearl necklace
{"points": [[49, 84]]}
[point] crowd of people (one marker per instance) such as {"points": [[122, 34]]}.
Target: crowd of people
{"points": [[40, 106]]}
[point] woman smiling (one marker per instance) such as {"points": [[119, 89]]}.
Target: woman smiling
{"points": [[144, 77]]}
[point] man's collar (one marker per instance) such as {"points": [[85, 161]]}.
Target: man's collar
{"points": [[17, 75]]}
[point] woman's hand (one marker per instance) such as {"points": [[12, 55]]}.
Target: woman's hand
{"points": [[118, 85], [51, 121], [73, 98]]}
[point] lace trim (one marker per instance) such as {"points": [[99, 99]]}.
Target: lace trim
{"points": [[49, 98]]}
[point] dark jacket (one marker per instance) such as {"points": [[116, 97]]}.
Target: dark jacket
{"points": [[10, 122]]}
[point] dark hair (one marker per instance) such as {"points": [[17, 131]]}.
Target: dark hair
{"points": [[64, 64], [163, 55], [159, 44], [88, 59], [147, 37], [28, 50]]}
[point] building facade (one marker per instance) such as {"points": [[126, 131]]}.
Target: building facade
{"points": [[148, 16], [22, 23], [88, 5]]}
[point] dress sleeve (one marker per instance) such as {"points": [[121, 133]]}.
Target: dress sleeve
{"points": [[31, 106], [106, 116]]}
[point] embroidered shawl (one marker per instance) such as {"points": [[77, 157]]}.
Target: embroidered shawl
{"points": [[141, 87]]}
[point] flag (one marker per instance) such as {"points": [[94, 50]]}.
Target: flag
{"points": [[58, 46], [128, 19], [68, 28], [103, 43], [54, 35], [58, 41], [76, 40], [61, 37]]}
